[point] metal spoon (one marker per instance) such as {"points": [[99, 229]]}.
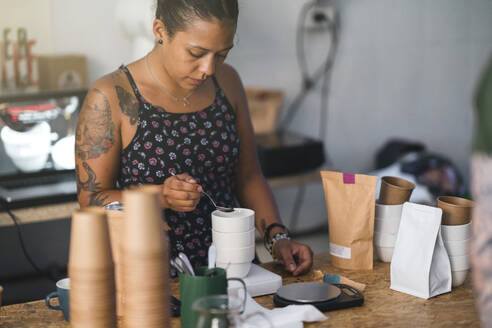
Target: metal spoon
{"points": [[186, 263], [220, 208], [182, 265], [176, 265], [185, 268], [212, 255]]}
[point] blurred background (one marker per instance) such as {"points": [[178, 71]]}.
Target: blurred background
{"points": [[353, 75]]}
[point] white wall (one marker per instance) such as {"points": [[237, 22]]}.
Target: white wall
{"points": [[90, 27], [405, 68], [34, 16]]}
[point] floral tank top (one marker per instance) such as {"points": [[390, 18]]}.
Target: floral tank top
{"points": [[204, 144]]}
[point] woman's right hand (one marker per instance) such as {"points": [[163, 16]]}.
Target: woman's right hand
{"points": [[180, 193]]}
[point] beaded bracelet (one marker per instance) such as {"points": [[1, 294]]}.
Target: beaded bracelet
{"points": [[278, 236], [266, 234]]}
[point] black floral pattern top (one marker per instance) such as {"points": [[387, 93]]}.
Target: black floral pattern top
{"points": [[204, 144]]}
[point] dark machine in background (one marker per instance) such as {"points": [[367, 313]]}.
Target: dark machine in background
{"points": [[36, 168], [283, 153], [36, 148]]}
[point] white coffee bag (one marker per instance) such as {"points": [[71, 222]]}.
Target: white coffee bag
{"points": [[420, 264]]}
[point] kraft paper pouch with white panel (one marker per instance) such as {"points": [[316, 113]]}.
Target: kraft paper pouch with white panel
{"points": [[350, 202], [420, 264]]}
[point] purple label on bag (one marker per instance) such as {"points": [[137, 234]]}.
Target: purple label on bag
{"points": [[348, 178]]}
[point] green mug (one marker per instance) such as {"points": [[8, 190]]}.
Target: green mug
{"points": [[192, 288]]}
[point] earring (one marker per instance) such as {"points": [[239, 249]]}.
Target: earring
{"points": [[160, 41]]}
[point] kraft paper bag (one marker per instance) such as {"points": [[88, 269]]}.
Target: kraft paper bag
{"points": [[350, 202], [420, 264]]}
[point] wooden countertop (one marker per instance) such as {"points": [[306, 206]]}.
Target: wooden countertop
{"points": [[39, 213], [382, 307]]}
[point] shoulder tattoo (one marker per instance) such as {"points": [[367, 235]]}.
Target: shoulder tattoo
{"points": [[128, 104]]}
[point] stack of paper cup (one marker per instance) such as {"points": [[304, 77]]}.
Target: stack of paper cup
{"points": [[233, 234], [386, 224], [115, 214], [456, 232], [393, 194], [144, 250], [115, 223], [91, 271]]}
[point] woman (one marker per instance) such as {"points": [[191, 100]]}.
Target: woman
{"points": [[178, 118]]}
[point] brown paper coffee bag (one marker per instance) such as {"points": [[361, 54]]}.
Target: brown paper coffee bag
{"points": [[350, 203]]}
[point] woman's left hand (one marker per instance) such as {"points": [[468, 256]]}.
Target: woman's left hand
{"points": [[297, 258]]}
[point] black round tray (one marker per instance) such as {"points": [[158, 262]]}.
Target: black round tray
{"points": [[349, 297]]}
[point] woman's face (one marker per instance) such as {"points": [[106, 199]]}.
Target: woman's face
{"points": [[192, 55]]}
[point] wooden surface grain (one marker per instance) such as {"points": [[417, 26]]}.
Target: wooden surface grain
{"points": [[39, 213], [383, 307]]}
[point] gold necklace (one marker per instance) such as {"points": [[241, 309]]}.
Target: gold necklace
{"points": [[184, 99]]}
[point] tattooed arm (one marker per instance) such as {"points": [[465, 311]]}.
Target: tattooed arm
{"points": [[97, 149]]}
